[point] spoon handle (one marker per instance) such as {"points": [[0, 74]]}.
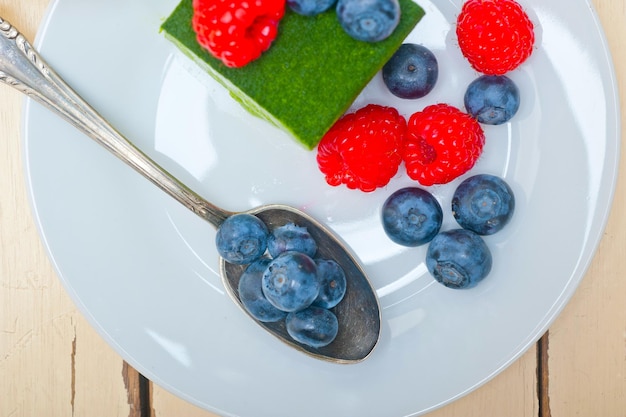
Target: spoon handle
{"points": [[21, 67]]}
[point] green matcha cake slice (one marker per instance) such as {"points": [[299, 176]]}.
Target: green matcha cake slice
{"points": [[310, 75]]}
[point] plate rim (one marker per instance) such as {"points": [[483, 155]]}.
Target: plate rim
{"points": [[549, 318]]}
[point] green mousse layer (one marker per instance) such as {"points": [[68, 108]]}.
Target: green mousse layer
{"points": [[310, 75]]}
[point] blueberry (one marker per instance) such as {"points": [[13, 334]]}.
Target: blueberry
{"points": [[290, 237], [290, 281], [411, 72], [310, 7], [241, 239], [368, 20], [332, 281], [315, 326], [251, 294], [483, 204], [411, 216], [492, 99], [458, 258]]}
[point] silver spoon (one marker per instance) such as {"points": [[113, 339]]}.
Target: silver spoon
{"points": [[358, 313]]}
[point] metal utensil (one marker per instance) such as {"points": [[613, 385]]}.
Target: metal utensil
{"points": [[22, 67]]}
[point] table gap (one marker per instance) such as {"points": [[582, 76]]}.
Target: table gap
{"points": [[543, 381]]}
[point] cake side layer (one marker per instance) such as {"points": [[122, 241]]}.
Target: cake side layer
{"points": [[310, 75]]}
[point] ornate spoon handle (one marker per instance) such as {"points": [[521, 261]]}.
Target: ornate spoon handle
{"points": [[21, 67]]}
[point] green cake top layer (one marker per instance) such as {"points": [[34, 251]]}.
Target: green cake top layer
{"points": [[310, 75]]}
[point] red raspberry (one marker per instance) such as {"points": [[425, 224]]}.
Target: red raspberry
{"points": [[363, 149], [442, 143], [496, 36], [236, 31]]}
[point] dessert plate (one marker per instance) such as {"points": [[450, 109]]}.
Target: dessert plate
{"points": [[144, 271]]}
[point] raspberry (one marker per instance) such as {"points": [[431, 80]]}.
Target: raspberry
{"points": [[236, 31], [496, 36], [363, 149], [442, 143]]}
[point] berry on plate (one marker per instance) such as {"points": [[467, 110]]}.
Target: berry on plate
{"points": [[411, 72], [411, 216], [236, 31], [368, 20], [458, 258], [483, 204], [442, 142], [492, 99], [363, 149], [495, 36]]}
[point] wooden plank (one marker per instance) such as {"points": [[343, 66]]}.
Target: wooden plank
{"points": [[52, 363], [587, 352], [138, 390], [165, 404], [101, 382]]}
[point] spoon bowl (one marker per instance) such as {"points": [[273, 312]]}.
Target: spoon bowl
{"points": [[358, 313]]}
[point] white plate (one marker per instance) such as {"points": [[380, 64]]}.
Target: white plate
{"points": [[143, 270]]}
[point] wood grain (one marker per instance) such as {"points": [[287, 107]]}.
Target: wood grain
{"points": [[52, 363]]}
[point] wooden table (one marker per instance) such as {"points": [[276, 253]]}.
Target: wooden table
{"points": [[52, 363]]}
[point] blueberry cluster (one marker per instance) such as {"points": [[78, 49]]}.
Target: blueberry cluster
{"points": [[482, 204], [363, 20], [459, 258], [283, 280]]}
